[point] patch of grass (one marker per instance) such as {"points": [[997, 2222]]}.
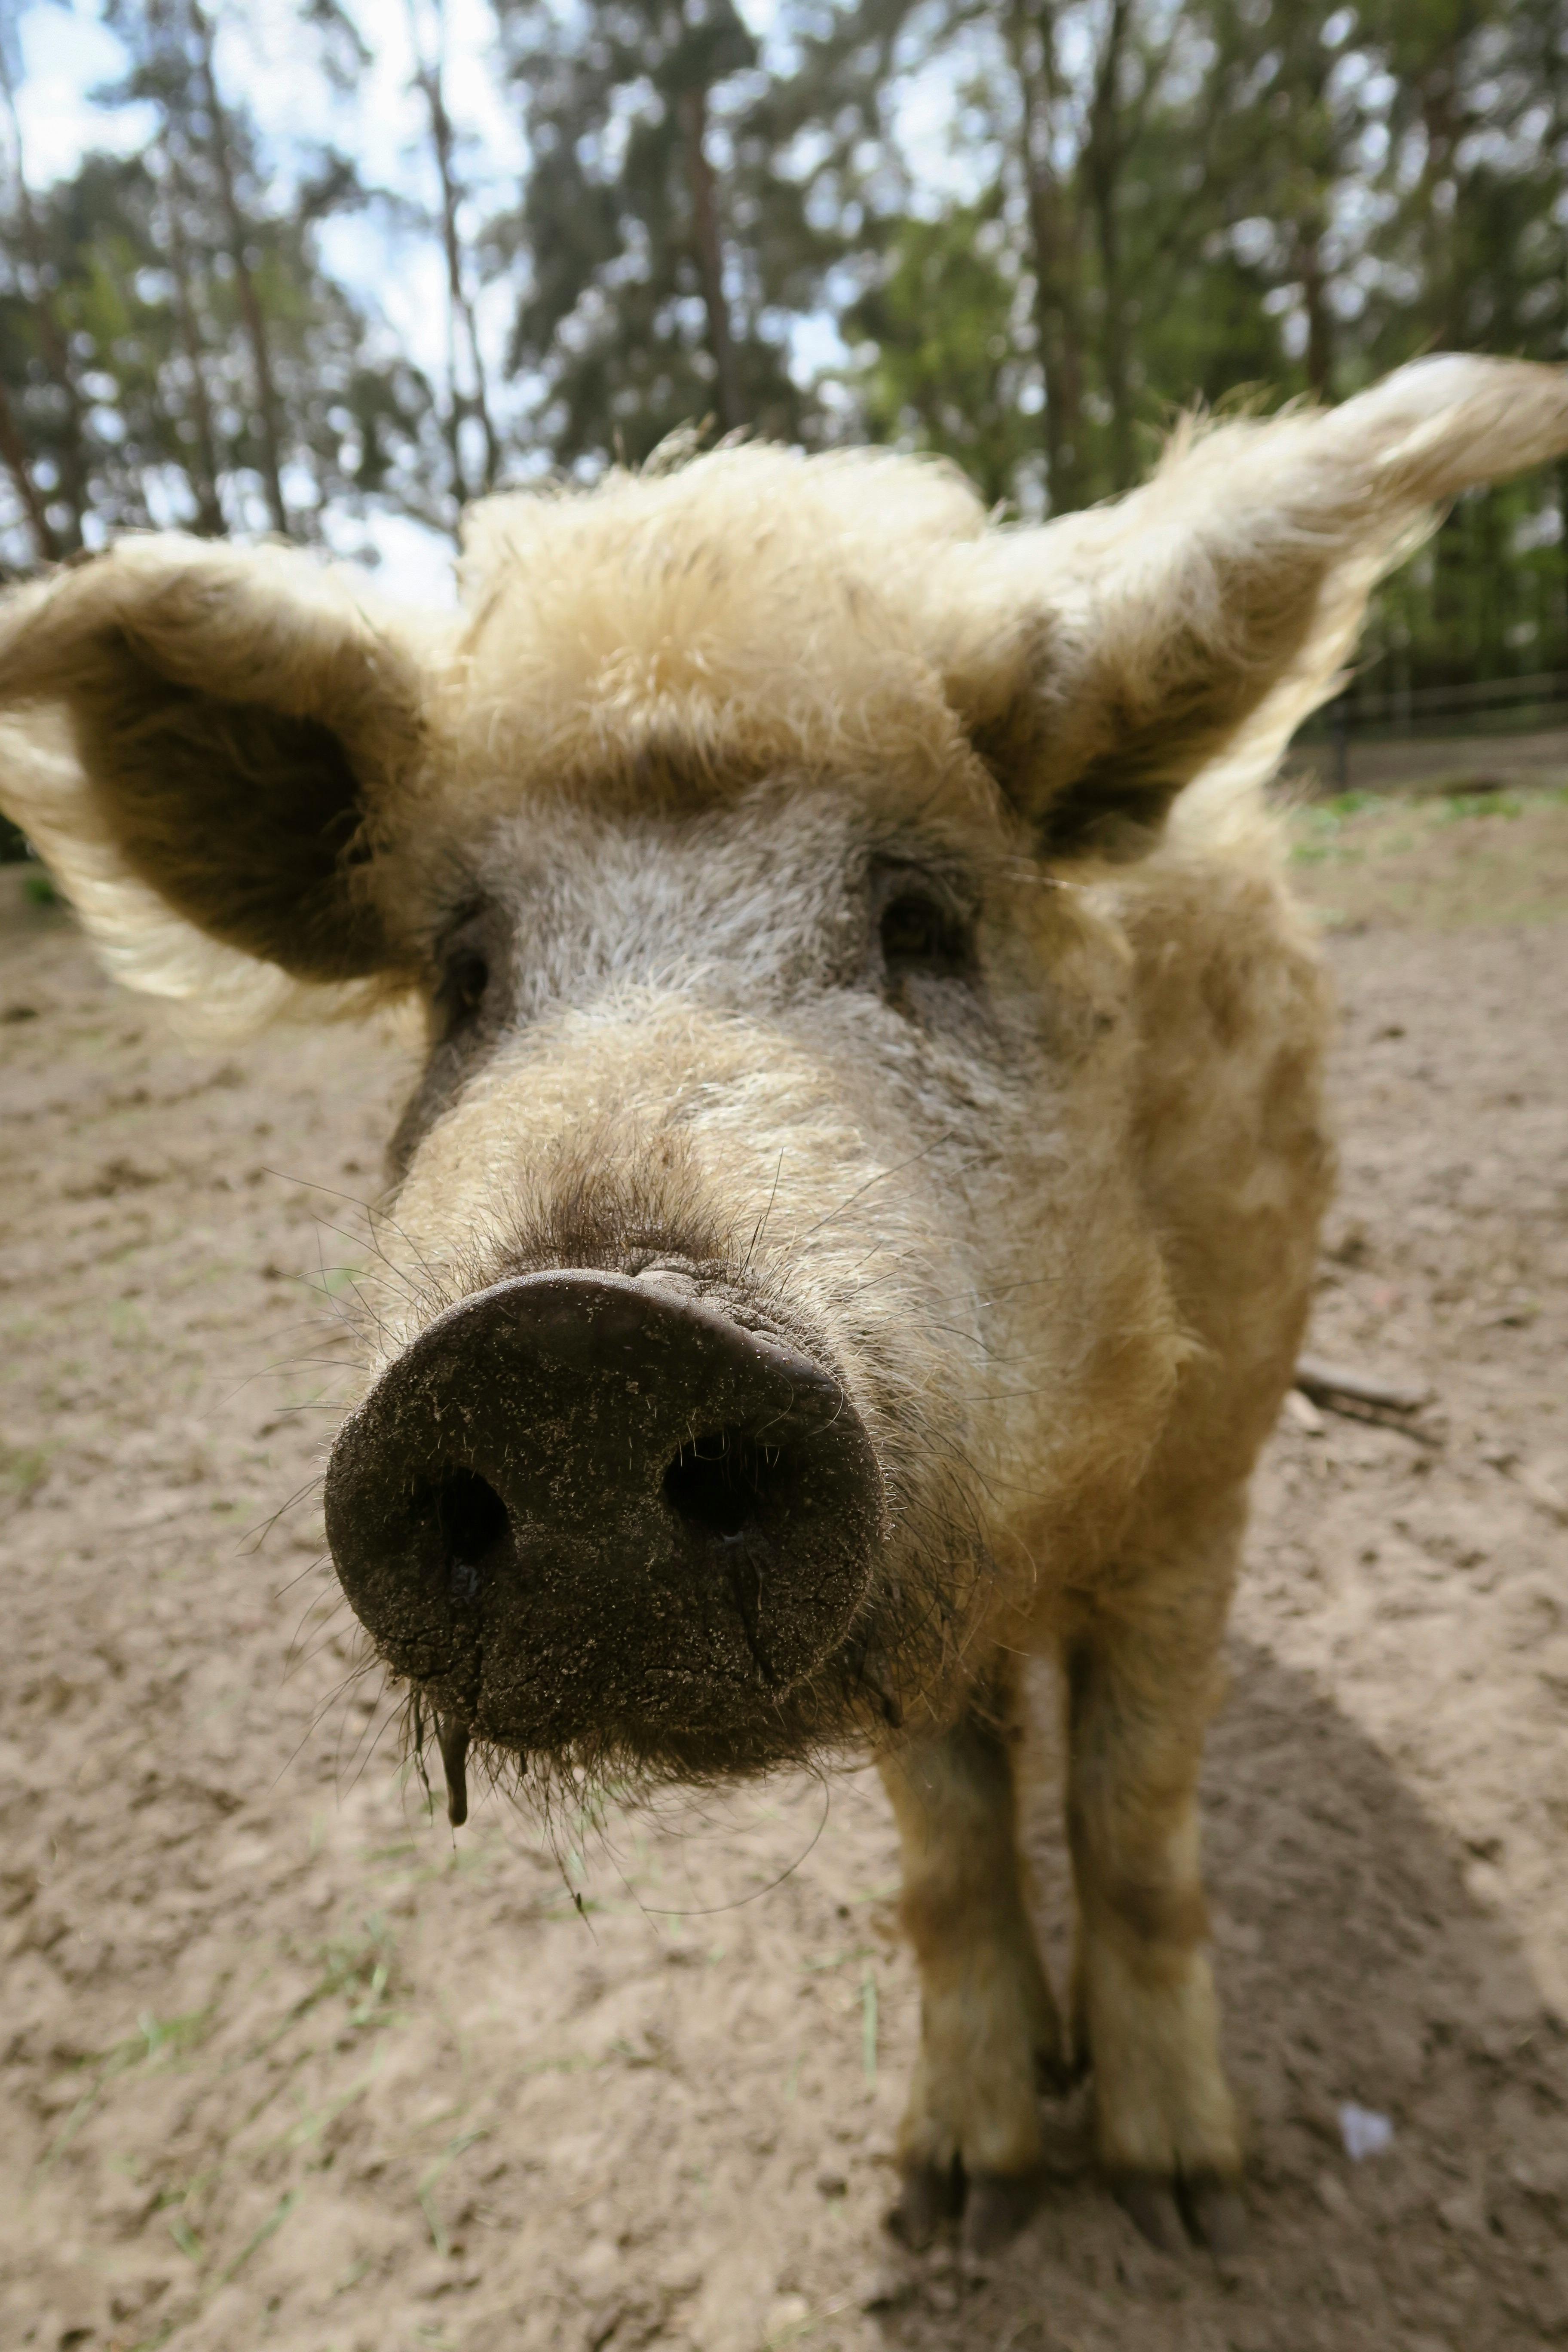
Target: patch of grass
{"points": [[432, 2174], [358, 1969], [1417, 859], [1458, 805], [837, 1960], [38, 890], [23, 1467], [1320, 827], [185, 2238], [156, 2041], [127, 1325], [314, 2122], [274, 2221]]}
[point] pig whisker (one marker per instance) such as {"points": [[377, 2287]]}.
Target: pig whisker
{"points": [[334, 1697], [303, 1657], [371, 1665], [305, 1647], [311, 1184], [300, 1650], [311, 1567], [335, 1596], [712, 1910], [367, 1308], [763, 1220], [382, 1727], [373, 1215], [998, 1396], [326, 1292], [263, 1528], [279, 1364], [881, 1177]]}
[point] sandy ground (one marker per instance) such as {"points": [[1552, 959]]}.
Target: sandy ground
{"points": [[286, 2062]]}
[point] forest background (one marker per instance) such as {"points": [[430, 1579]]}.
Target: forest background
{"points": [[322, 269]]}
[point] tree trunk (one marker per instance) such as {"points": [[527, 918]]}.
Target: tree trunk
{"points": [[1055, 234], [710, 254], [1103, 157], [461, 308], [266, 403], [1320, 318], [1438, 120], [211, 521], [53, 345], [14, 457]]}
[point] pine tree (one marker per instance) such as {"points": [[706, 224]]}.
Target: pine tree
{"points": [[649, 203]]}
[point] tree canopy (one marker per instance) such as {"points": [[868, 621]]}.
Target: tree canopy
{"points": [[1020, 235]]}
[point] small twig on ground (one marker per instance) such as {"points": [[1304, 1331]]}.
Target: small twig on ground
{"points": [[1331, 1385]]}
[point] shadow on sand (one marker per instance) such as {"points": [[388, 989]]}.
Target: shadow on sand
{"points": [[1353, 1966]]}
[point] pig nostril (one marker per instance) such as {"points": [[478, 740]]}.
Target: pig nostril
{"points": [[726, 1481], [473, 1520], [584, 1513]]}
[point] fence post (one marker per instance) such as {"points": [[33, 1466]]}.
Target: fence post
{"points": [[1339, 724]]}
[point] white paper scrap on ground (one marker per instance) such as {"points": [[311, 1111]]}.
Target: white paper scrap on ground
{"points": [[1364, 2131]]}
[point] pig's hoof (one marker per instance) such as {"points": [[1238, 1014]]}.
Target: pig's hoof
{"points": [[1209, 2206], [1214, 2214], [930, 2195], [1148, 2203], [995, 2208]]}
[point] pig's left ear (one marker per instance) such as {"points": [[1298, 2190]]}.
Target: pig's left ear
{"points": [[1100, 662], [234, 726]]}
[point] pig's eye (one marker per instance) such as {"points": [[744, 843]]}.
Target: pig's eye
{"points": [[467, 978], [921, 933]]}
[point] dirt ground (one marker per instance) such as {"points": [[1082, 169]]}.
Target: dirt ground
{"points": [[1535, 758], [285, 2061]]}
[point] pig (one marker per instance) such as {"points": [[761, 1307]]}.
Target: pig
{"points": [[853, 1229]]}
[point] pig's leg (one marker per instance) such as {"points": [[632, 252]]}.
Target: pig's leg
{"points": [[1143, 1679], [989, 2027]]}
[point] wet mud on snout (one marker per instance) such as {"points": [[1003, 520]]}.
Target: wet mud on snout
{"points": [[287, 2063]]}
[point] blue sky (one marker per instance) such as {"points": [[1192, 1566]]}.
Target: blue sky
{"points": [[68, 54]]}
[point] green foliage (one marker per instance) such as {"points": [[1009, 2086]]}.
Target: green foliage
{"points": [[1022, 237], [638, 313], [941, 365]]}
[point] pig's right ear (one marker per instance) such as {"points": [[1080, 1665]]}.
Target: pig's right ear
{"points": [[1101, 663], [235, 725]]}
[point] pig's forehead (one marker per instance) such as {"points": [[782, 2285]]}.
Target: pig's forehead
{"points": [[681, 639]]}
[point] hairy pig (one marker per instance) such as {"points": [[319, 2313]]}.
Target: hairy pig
{"points": [[855, 1225]]}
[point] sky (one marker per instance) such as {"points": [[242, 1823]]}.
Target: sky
{"points": [[68, 54]]}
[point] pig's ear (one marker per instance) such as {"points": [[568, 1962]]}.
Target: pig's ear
{"points": [[233, 726], [1107, 659]]}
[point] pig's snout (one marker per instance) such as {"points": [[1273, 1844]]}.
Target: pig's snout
{"points": [[581, 1507]]}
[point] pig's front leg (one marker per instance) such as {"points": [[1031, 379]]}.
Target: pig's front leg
{"points": [[989, 2029], [1143, 1679]]}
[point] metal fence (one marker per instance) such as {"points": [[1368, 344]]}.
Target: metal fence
{"points": [[1495, 709]]}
